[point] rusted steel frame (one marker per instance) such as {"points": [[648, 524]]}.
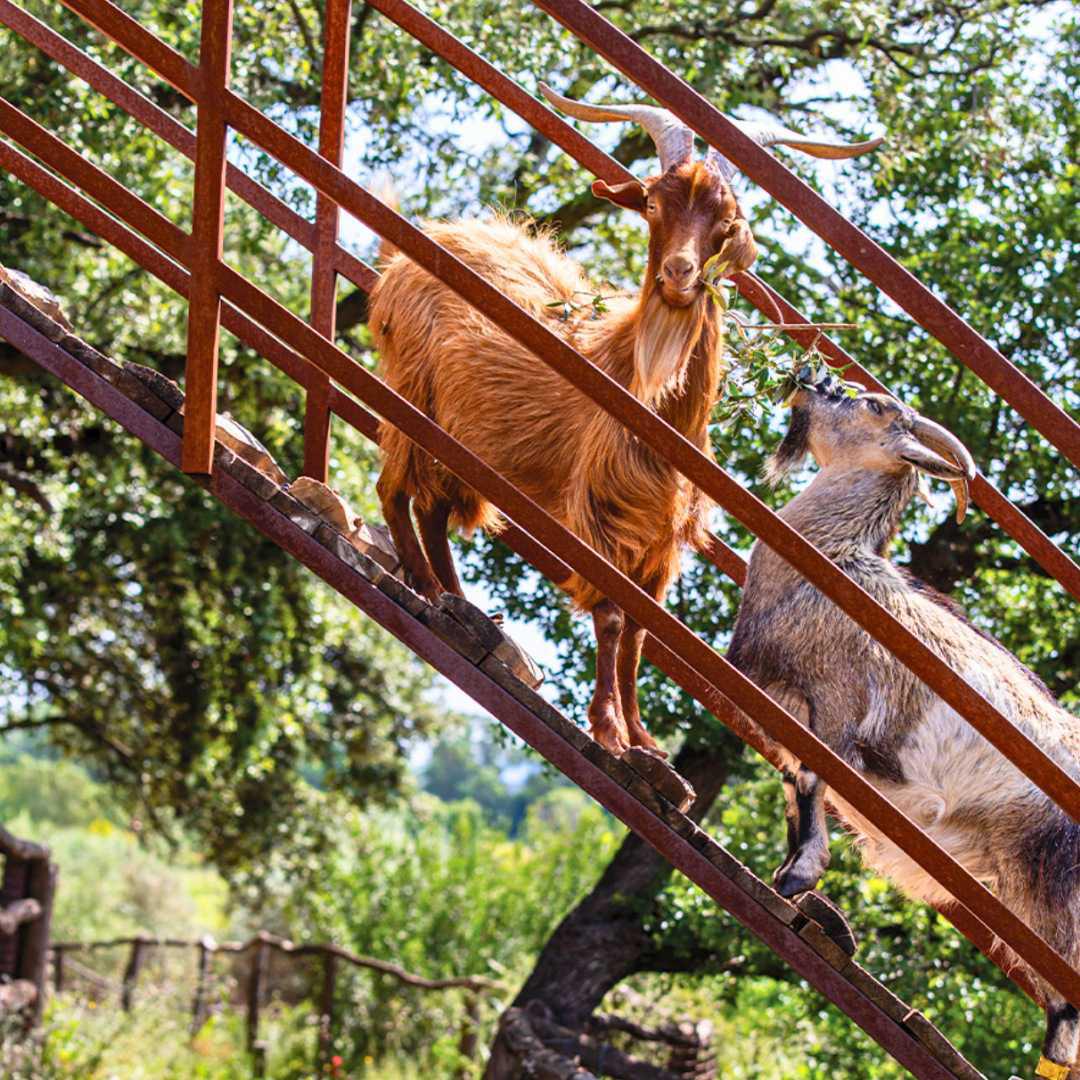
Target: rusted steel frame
{"points": [[675, 849], [643, 609], [357, 416], [753, 289], [935, 316], [173, 66], [176, 135], [166, 270], [723, 680], [294, 365], [1009, 517], [335, 83], [207, 238], [84, 173], [673, 447]]}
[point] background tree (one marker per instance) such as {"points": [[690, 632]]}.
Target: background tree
{"points": [[207, 699]]}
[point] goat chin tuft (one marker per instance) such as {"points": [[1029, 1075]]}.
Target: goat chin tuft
{"points": [[665, 340]]}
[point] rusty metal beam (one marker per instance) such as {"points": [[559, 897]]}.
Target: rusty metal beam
{"points": [[207, 236], [335, 83], [931, 313]]}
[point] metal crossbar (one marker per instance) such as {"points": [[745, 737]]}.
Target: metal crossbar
{"points": [[219, 296], [847, 239]]}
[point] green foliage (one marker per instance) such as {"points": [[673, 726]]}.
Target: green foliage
{"points": [[504, 780], [441, 893]]}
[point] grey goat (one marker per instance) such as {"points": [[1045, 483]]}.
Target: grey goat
{"points": [[855, 696]]}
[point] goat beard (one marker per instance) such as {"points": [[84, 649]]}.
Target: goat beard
{"points": [[665, 340]]}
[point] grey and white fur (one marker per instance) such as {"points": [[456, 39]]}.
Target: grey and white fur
{"points": [[871, 710]]}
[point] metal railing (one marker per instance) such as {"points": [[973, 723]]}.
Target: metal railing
{"points": [[219, 296]]}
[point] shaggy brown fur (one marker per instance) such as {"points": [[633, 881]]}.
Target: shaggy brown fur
{"points": [[545, 436], [869, 708]]}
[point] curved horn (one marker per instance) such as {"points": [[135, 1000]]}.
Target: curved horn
{"points": [[944, 442], [674, 140], [770, 133]]}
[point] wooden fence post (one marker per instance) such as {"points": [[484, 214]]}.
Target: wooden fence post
{"points": [[34, 962], [326, 1009], [58, 969], [198, 1004], [131, 973], [258, 969], [13, 887]]}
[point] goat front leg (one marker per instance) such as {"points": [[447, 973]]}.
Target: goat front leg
{"points": [[434, 522], [808, 834], [606, 724], [418, 572], [629, 661]]}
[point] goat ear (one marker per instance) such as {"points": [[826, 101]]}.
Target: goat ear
{"points": [[631, 195], [791, 453], [738, 250]]}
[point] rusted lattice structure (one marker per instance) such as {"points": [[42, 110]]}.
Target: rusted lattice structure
{"points": [[191, 263], [26, 901]]}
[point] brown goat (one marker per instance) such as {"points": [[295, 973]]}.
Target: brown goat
{"points": [[546, 437]]}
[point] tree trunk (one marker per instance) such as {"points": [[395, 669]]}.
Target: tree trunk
{"points": [[603, 940]]}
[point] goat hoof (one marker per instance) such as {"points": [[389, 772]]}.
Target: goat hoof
{"points": [[830, 918], [607, 728], [425, 586], [796, 876]]}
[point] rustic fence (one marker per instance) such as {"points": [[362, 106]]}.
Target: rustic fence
{"points": [[257, 986], [26, 902], [684, 1048]]}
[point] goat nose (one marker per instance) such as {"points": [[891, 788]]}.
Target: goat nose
{"points": [[678, 269]]}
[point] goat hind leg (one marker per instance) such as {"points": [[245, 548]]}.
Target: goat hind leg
{"points": [[418, 572], [1062, 1042], [433, 531], [804, 866], [606, 722]]}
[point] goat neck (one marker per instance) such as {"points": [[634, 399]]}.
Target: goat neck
{"points": [[849, 510]]}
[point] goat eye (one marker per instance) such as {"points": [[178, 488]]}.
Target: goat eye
{"points": [[875, 407], [650, 206]]}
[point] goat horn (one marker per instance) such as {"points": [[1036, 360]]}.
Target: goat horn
{"points": [[771, 133], [674, 140], [944, 442]]}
